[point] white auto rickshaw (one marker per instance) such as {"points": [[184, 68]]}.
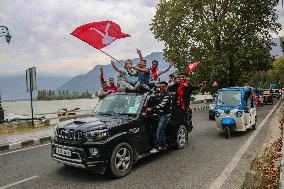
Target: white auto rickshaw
{"points": [[235, 110]]}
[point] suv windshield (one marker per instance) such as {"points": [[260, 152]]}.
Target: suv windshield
{"points": [[229, 98], [115, 104]]}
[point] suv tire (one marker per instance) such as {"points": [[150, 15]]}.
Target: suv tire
{"points": [[182, 137], [121, 160]]}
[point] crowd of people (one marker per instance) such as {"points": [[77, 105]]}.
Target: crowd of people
{"points": [[141, 78]]}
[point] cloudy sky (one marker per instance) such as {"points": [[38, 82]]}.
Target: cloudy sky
{"points": [[41, 33]]}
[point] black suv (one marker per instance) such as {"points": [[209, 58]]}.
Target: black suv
{"points": [[117, 134]]}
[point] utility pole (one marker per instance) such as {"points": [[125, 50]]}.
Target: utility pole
{"points": [[2, 119]]}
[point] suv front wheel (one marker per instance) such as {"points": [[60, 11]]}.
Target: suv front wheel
{"points": [[121, 160], [182, 137]]}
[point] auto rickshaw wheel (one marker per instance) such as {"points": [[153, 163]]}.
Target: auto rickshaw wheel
{"points": [[227, 132]]}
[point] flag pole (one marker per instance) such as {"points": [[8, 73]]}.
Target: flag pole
{"points": [[110, 56]]}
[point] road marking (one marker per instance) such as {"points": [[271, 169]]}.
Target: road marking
{"points": [[19, 182], [23, 150], [220, 180]]}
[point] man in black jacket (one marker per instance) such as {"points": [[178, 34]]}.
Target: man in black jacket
{"points": [[163, 109]]}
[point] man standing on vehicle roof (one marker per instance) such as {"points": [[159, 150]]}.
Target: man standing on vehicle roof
{"points": [[163, 109], [111, 87]]}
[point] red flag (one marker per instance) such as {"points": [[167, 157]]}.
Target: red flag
{"points": [[191, 67], [99, 34]]}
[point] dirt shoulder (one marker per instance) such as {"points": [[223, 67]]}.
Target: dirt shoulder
{"points": [[265, 168]]}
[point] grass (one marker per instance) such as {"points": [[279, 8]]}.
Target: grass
{"points": [[25, 126], [19, 127]]}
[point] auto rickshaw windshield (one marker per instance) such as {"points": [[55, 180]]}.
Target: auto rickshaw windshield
{"points": [[229, 98]]}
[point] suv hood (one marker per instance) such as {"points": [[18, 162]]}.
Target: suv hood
{"points": [[90, 123]]}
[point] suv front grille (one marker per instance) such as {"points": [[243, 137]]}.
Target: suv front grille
{"points": [[69, 135]]}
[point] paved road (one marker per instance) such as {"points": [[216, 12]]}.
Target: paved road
{"points": [[197, 166]]}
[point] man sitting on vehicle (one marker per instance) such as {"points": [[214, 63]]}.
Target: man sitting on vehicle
{"points": [[163, 109], [111, 87], [104, 91], [143, 74], [127, 81]]}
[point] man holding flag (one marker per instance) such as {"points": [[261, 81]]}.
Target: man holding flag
{"points": [[184, 90]]}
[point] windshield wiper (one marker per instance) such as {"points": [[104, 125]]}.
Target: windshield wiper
{"points": [[110, 113], [221, 101], [126, 114]]}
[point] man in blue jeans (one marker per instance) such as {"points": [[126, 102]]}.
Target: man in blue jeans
{"points": [[163, 109]]}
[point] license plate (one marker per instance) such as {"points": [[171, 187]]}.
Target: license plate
{"points": [[63, 152]]}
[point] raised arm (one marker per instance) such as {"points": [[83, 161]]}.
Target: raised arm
{"points": [[132, 73], [115, 67], [140, 54], [102, 74], [140, 69], [200, 86], [165, 70]]}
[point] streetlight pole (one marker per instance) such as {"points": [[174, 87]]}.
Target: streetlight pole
{"points": [[1, 112], [4, 32]]}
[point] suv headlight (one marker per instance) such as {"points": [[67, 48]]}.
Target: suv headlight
{"points": [[94, 136]]}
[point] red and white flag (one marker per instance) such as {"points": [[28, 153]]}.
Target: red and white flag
{"points": [[191, 67], [99, 34]]}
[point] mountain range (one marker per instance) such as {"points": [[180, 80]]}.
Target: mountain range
{"points": [[14, 87]]}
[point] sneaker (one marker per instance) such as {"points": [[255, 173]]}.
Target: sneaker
{"points": [[154, 150]]}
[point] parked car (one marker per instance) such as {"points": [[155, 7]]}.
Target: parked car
{"points": [[276, 93], [267, 96], [235, 110], [117, 135]]}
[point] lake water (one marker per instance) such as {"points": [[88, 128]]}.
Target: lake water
{"points": [[48, 107]]}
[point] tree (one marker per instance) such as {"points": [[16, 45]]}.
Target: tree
{"points": [[231, 37], [278, 70]]}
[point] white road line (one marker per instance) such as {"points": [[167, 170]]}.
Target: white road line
{"points": [[23, 150], [19, 182], [220, 180]]}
